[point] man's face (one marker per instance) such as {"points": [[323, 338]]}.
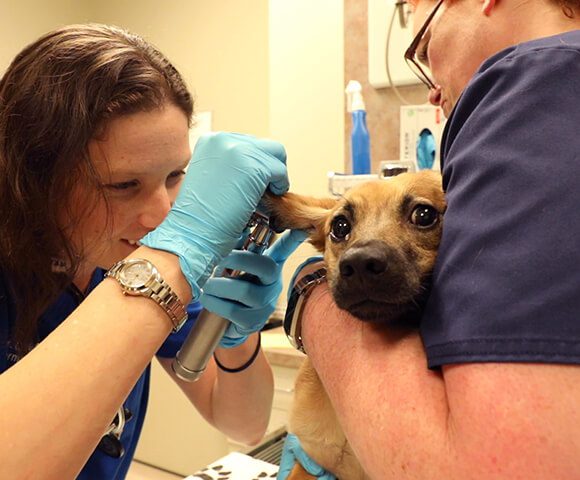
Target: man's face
{"points": [[453, 46]]}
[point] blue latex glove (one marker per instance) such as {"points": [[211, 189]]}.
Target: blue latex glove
{"points": [[226, 178], [249, 305], [293, 453]]}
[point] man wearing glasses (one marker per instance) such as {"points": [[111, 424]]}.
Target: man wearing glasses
{"points": [[490, 387]]}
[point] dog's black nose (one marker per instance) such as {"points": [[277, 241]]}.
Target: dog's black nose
{"points": [[363, 262], [376, 281]]}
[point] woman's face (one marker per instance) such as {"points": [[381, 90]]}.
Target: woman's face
{"points": [[140, 160]]}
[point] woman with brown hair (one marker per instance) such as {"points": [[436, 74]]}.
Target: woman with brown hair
{"points": [[94, 144]]}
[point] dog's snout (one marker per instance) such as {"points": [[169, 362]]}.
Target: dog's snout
{"points": [[365, 262], [362, 262], [375, 280]]}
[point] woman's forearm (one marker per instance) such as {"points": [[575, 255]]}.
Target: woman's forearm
{"points": [[58, 400], [242, 401], [238, 404]]}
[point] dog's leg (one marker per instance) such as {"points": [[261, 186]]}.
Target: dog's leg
{"points": [[298, 473]]}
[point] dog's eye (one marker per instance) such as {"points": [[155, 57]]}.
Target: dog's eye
{"points": [[424, 216], [339, 229]]}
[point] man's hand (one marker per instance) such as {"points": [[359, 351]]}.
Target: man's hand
{"points": [[293, 454]]}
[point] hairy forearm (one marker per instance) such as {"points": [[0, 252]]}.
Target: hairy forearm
{"points": [[471, 421], [378, 379]]}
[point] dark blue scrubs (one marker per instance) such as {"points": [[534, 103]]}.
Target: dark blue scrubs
{"points": [[507, 280]]}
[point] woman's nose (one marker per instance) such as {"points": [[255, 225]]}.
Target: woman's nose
{"points": [[156, 207]]}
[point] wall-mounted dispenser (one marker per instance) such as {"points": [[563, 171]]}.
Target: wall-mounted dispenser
{"points": [[420, 138], [384, 17]]}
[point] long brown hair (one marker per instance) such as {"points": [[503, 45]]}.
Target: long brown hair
{"points": [[57, 95]]}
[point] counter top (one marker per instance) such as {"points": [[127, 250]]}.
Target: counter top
{"points": [[278, 349]]}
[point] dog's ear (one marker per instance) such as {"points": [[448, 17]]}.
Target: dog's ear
{"points": [[292, 211]]}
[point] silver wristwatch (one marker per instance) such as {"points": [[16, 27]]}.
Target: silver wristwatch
{"points": [[298, 296], [139, 277]]}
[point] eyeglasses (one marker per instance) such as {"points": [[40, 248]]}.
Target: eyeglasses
{"points": [[411, 54]]}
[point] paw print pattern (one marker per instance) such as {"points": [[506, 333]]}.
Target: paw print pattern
{"points": [[216, 472], [263, 475], [220, 472]]}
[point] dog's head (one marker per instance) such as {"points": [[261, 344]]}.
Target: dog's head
{"points": [[379, 241]]}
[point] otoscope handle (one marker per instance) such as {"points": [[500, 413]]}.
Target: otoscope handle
{"points": [[192, 358], [209, 328]]}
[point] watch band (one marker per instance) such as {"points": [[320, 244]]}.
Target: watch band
{"points": [[162, 293], [300, 292], [155, 288]]}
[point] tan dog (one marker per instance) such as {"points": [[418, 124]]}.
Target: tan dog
{"points": [[380, 243]]}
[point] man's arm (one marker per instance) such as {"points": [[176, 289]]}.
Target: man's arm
{"points": [[469, 421]]}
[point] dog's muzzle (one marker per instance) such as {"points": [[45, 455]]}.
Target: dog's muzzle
{"points": [[376, 281]]}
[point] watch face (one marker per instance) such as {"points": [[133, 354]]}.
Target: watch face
{"points": [[136, 275]]}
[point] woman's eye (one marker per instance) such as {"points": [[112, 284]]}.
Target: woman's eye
{"points": [[424, 216], [340, 229], [122, 185]]}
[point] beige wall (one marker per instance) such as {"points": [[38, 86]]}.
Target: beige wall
{"points": [[22, 21], [306, 88], [220, 47]]}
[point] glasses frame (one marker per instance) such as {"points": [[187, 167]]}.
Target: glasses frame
{"points": [[410, 53]]}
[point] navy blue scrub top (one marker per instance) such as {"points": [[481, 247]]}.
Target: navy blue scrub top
{"points": [[506, 286]]}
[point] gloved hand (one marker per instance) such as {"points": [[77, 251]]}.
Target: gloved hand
{"points": [[293, 453], [249, 305], [226, 178]]}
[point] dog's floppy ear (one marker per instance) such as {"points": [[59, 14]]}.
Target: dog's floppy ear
{"points": [[292, 211]]}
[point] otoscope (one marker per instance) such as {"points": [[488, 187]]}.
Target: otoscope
{"points": [[191, 360]]}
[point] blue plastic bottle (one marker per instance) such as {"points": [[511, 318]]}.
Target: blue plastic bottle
{"points": [[360, 145]]}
